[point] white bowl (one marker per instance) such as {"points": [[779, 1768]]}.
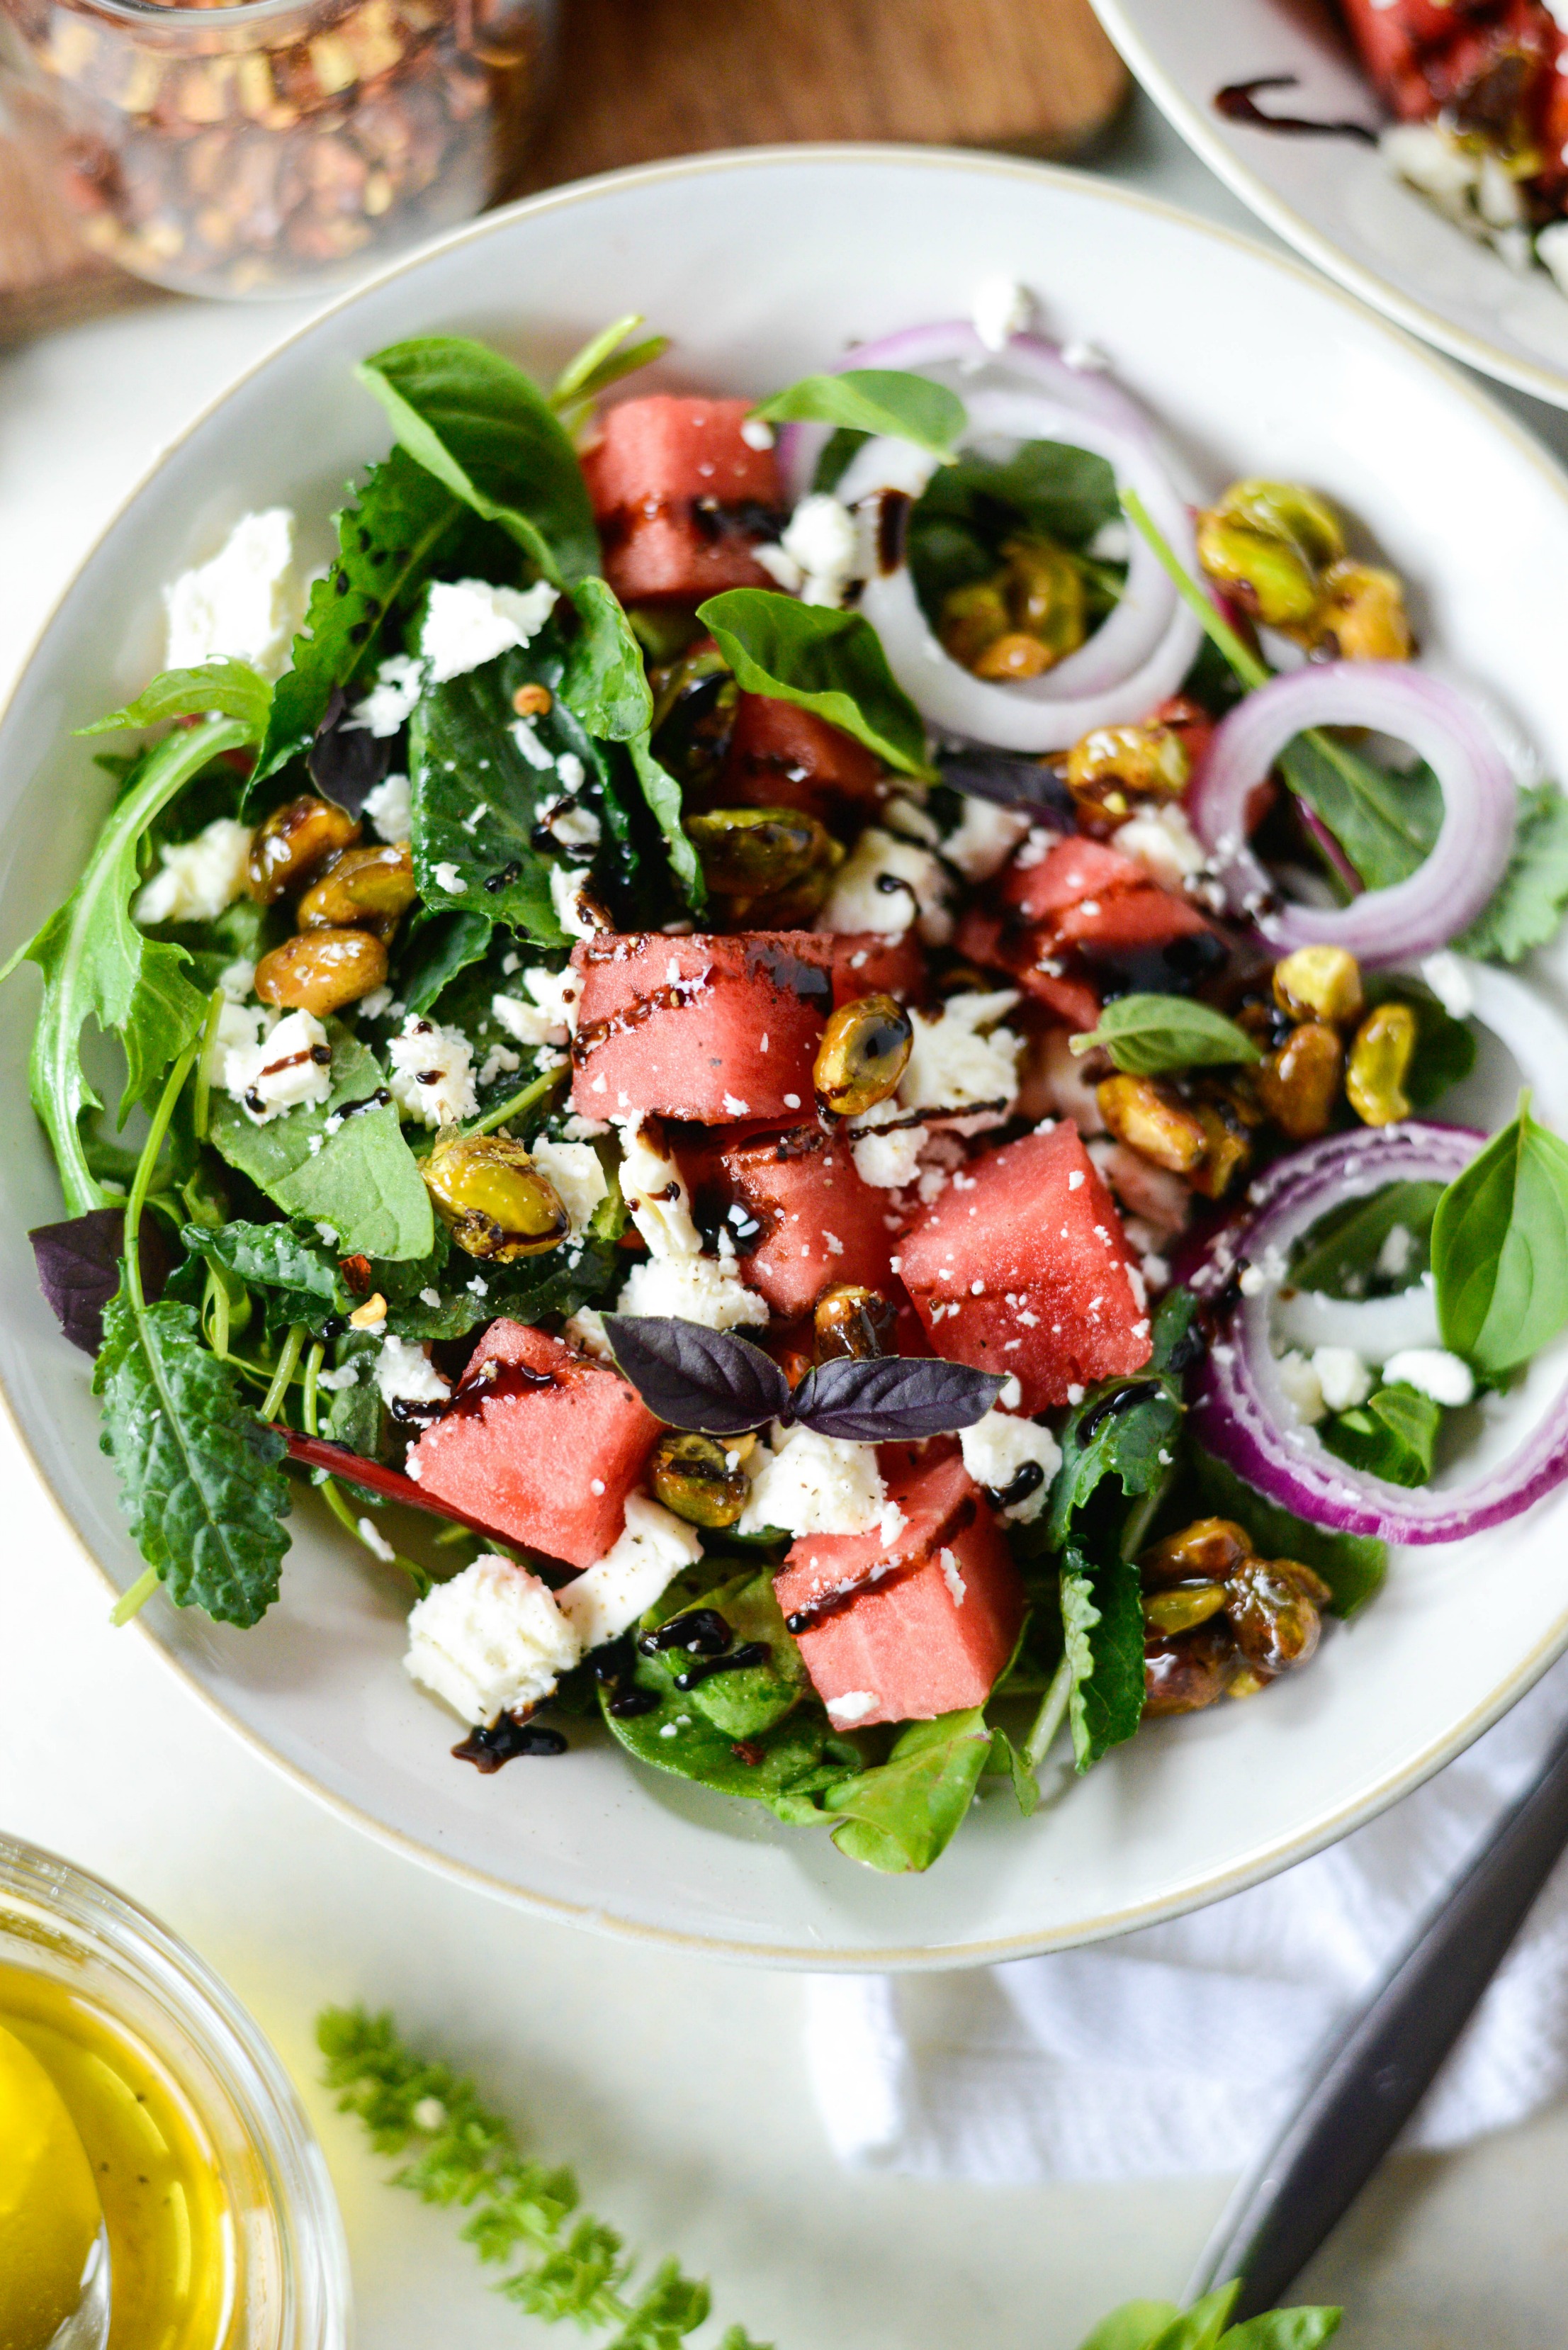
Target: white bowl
{"points": [[763, 265], [1334, 199]]}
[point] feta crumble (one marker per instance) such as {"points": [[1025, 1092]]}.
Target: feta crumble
{"points": [[810, 1484], [705, 1289], [198, 879], [491, 1641], [246, 604], [576, 915], [390, 810], [467, 623], [431, 1074], [405, 1374], [962, 1059], [607, 1600], [399, 682], [288, 1063], [1001, 309], [997, 1447], [1344, 1378], [1446, 1378], [853, 1706], [655, 1191], [984, 838], [574, 1171], [883, 885], [821, 542], [1164, 843]]}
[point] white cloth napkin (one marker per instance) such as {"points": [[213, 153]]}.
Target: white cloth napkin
{"points": [[1180, 2048]]}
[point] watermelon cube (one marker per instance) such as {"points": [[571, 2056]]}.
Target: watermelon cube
{"points": [[681, 499], [907, 1628], [1021, 1266], [819, 1222], [546, 1448], [1025, 956], [783, 756], [863, 963]]}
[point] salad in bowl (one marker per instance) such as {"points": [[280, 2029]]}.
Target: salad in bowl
{"points": [[793, 1050]]}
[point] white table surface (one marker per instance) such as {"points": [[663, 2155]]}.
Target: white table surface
{"points": [[675, 2085]]}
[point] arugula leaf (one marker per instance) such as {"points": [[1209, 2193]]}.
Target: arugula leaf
{"points": [[199, 1476], [826, 661], [388, 540], [1136, 2326], [1147, 1034], [1390, 1435], [225, 689], [883, 400], [482, 428], [1526, 908], [900, 1817], [1004, 1759], [605, 682], [1500, 1248], [1343, 1246], [1102, 1616], [1353, 1566], [665, 802], [98, 965], [364, 1181]]}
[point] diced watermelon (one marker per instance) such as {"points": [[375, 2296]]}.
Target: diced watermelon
{"points": [[1127, 921], [1070, 871], [1021, 1266], [546, 1452], [681, 499], [820, 1223], [906, 1629], [866, 964], [783, 756], [987, 939]]}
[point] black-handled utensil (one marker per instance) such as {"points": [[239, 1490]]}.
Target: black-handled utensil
{"points": [[1369, 2079]]}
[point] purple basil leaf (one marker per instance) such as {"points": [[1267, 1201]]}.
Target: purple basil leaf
{"points": [[893, 1398], [79, 1265], [347, 763], [691, 1376]]}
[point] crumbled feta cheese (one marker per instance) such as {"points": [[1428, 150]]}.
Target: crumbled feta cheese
{"points": [[883, 885], [499, 1061], [1446, 1377], [1301, 1387], [345, 1375], [997, 1447], [607, 1600], [399, 682], [405, 1374], [246, 604], [821, 541], [889, 1161], [655, 1191], [810, 1484], [585, 1331], [1001, 309], [379, 1000], [431, 1074], [961, 1058], [1164, 843], [197, 878], [449, 877], [852, 1707], [984, 838], [551, 1018], [390, 810], [289, 1063], [236, 980], [781, 568], [490, 1641], [1398, 1247], [756, 433], [467, 622], [574, 1171], [526, 734], [1449, 982], [576, 915], [375, 1542], [571, 826], [1343, 1376], [705, 1289]]}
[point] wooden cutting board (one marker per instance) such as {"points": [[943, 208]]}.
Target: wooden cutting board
{"points": [[640, 79]]}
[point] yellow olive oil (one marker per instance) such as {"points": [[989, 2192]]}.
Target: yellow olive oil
{"points": [[171, 2243]]}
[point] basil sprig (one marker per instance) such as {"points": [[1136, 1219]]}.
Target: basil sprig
{"points": [[691, 1377], [1148, 1034], [885, 400], [1500, 1248], [826, 661]]}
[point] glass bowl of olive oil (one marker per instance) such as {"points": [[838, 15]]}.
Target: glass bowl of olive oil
{"points": [[222, 2229]]}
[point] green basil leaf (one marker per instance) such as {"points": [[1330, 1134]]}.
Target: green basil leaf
{"points": [[1390, 1435], [1147, 1034], [1526, 908], [826, 661], [881, 401], [1202, 2326], [482, 428], [1005, 1761], [199, 1475], [220, 688], [98, 965], [1353, 1566], [1500, 1248], [605, 682], [1102, 1617], [900, 1817], [1136, 2326], [1385, 822], [1283, 2329], [666, 801]]}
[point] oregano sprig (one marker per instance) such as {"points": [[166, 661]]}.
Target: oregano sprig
{"points": [[458, 2151]]}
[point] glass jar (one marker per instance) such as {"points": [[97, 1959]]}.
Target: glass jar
{"points": [[272, 147], [287, 2287]]}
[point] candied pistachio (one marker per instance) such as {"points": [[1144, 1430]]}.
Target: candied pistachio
{"points": [[1152, 1120], [370, 886], [1361, 615], [1183, 1676], [752, 852], [1227, 1148], [1274, 1608], [1013, 655], [1269, 578], [1210, 1550], [849, 1320], [1182, 1608], [321, 970], [1021, 621], [973, 618], [1379, 1063], [1320, 984], [1298, 1085], [699, 1477], [1287, 510], [1112, 766], [864, 1052], [293, 841], [492, 1198]]}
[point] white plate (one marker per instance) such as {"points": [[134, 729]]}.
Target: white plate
{"points": [[1335, 199], [763, 266]]}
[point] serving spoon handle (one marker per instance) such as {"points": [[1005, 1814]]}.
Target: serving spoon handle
{"points": [[1369, 2077]]}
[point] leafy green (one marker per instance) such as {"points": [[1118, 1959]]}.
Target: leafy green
{"points": [[484, 430], [363, 1181], [1136, 2326], [969, 510], [443, 946], [460, 2153], [98, 965], [602, 361], [1343, 1246], [1124, 1428], [826, 661], [388, 539], [605, 682], [1385, 821], [1147, 1034], [1102, 1615], [199, 1476], [225, 689], [788, 1767], [902, 1814], [300, 1276], [884, 401], [839, 452], [1283, 2329], [1202, 2326], [1353, 1566], [742, 1704], [1526, 908], [1500, 1248], [1390, 1435], [665, 802]]}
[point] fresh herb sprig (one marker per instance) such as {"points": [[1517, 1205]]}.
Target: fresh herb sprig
{"points": [[829, 662], [1147, 1036], [561, 2261], [691, 1377], [1500, 1248], [887, 401]]}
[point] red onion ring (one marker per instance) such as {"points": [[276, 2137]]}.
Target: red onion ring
{"points": [[1480, 807], [1240, 1414]]}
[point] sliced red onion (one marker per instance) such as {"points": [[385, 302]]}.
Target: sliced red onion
{"points": [[1138, 655], [1241, 1413], [1480, 807], [1521, 1017]]}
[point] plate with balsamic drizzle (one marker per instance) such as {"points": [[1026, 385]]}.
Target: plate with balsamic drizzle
{"points": [[1270, 94]]}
